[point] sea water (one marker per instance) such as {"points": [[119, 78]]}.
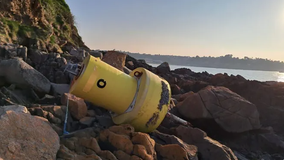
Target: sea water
{"points": [[247, 74]]}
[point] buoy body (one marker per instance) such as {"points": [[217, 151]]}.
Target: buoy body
{"points": [[104, 85], [140, 98]]}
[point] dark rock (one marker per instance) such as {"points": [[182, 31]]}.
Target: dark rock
{"points": [[38, 112], [87, 121], [16, 71], [255, 144], [267, 96], [163, 68], [22, 52], [137, 63], [8, 51], [207, 147], [231, 111], [96, 54], [171, 79], [79, 53], [183, 71], [2, 81], [130, 65], [104, 121], [59, 89], [49, 100], [126, 70], [51, 65], [61, 78], [175, 89], [38, 57], [91, 113], [19, 96], [57, 129], [51, 118]]}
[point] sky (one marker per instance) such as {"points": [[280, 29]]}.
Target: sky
{"points": [[252, 28]]}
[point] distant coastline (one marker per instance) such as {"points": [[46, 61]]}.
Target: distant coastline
{"points": [[222, 62]]}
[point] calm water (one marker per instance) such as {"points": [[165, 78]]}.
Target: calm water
{"points": [[248, 74]]}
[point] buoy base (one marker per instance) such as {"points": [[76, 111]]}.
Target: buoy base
{"points": [[151, 105]]}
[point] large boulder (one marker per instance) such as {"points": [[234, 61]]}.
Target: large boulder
{"points": [[208, 148], [231, 111], [267, 96], [18, 72], [26, 137], [115, 59]]}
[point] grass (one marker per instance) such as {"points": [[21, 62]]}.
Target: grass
{"points": [[22, 31], [17, 29], [58, 10], [57, 13], [52, 40]]}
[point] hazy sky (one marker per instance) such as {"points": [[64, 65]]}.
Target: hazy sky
{"points": [[253, 28]]}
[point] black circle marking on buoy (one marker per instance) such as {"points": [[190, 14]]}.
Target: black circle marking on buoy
{"points": [[101, 85], [137, 74]]}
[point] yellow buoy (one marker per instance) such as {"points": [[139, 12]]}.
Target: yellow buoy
{"points": [[140, 98]]}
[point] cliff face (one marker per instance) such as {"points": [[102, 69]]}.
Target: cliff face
{"points": [[40, 24]]}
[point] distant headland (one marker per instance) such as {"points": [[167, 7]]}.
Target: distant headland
{"points": [[227, 61]]}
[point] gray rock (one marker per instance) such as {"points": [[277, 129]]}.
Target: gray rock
{"points": [[18, 72], [95, 53], [79, 53], [105, 121], [91, 113], [88, 121], [240, 156], [2, 81], [13, 50], [19, 96], [22, 52], [38, 57], [15, 108], [10, 50], [24, 136]]}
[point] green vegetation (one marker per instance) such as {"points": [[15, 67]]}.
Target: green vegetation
{"points": [[52, 40], [51, 24], [17, 29], [59, 14]]}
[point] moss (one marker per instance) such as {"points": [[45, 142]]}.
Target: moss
{"points": [[52, 40], [60, 25], [17, 29]]}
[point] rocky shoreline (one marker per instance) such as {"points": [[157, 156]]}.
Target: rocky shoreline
{"points": [[227, 117]]}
